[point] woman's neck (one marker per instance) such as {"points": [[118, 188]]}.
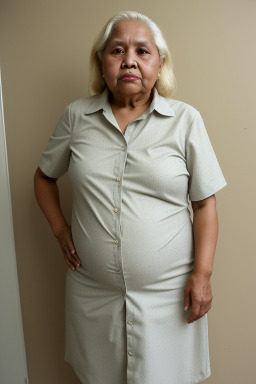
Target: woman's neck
{"points": [[131, 102]]}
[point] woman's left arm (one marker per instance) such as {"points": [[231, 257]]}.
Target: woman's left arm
{"points": [[197, 293]]}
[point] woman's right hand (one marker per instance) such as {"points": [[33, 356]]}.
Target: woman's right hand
{"points": [[47, 195], [64, 237]]}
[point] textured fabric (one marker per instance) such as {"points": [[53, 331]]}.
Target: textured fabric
{"points": [[131, 226]]}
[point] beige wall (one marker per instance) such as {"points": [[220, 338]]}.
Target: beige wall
{"points": [[44, 59]]}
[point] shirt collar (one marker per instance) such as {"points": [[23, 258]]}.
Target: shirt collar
{"points": [[159, 103]]}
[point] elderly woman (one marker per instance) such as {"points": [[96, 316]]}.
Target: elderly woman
{"points": [[137, 263]]}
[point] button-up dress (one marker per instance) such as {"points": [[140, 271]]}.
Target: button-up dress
{"points": [[132, 230]]}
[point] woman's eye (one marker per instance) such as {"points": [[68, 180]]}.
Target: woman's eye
{"points": [[117, 50], [142, 51]]}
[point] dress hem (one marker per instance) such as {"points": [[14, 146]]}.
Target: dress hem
{"points": [[208, 374], [201, 380]]}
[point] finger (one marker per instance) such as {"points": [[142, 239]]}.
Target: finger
{"points": [[72, 255], [194, 319], [205, 308], [199, 316], [208, 307], [202, 312], [70, 265], [187, 300], [66, 254], [75, 257], [68, 259], [195, 312]]}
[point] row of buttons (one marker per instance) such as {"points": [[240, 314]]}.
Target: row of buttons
{"points": [[116, 241], [118, 178], [118, 269], [130, 352], [116, 209]]}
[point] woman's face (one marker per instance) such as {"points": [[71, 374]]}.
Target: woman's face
{"points": [[131, 49]]}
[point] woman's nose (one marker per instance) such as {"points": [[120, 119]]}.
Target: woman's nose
{"points": [[129, 61]]}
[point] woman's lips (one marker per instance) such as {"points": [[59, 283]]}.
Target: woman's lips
{"points": [[129, 77]]}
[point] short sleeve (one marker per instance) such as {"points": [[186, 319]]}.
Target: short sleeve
{"points": [[54, 160], [205, 174]]}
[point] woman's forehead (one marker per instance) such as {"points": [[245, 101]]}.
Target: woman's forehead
{"points": [[136, 30]]}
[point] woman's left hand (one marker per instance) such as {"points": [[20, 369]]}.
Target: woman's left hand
{"points": [[198, 295]]}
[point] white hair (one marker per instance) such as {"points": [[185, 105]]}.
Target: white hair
{"points": [[166, 85]]}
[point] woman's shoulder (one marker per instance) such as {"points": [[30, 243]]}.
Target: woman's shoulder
{"points": [[83, 104], [181, 107]]}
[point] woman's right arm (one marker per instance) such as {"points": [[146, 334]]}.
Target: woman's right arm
{"points": [[47, 195]]}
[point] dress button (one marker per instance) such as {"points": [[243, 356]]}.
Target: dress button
{"points": [[116, 241], [130, 322], [118, 178], [118, 269], [123, 148], [130, 353], [115, 210]]}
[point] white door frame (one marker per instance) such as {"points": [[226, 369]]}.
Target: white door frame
{"points": [[13, 364]]}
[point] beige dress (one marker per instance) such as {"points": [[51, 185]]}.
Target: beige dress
{"points": [[131, 226]]}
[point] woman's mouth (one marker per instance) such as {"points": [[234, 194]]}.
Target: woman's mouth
{"points": [[129, 77]]}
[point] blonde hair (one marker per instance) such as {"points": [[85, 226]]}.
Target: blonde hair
{"points": [[166, 85]]}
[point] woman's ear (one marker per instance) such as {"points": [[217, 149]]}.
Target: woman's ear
{"points": [[161, 65]]}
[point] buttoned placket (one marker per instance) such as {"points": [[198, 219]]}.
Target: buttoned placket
{"points": [[119, 168]]}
